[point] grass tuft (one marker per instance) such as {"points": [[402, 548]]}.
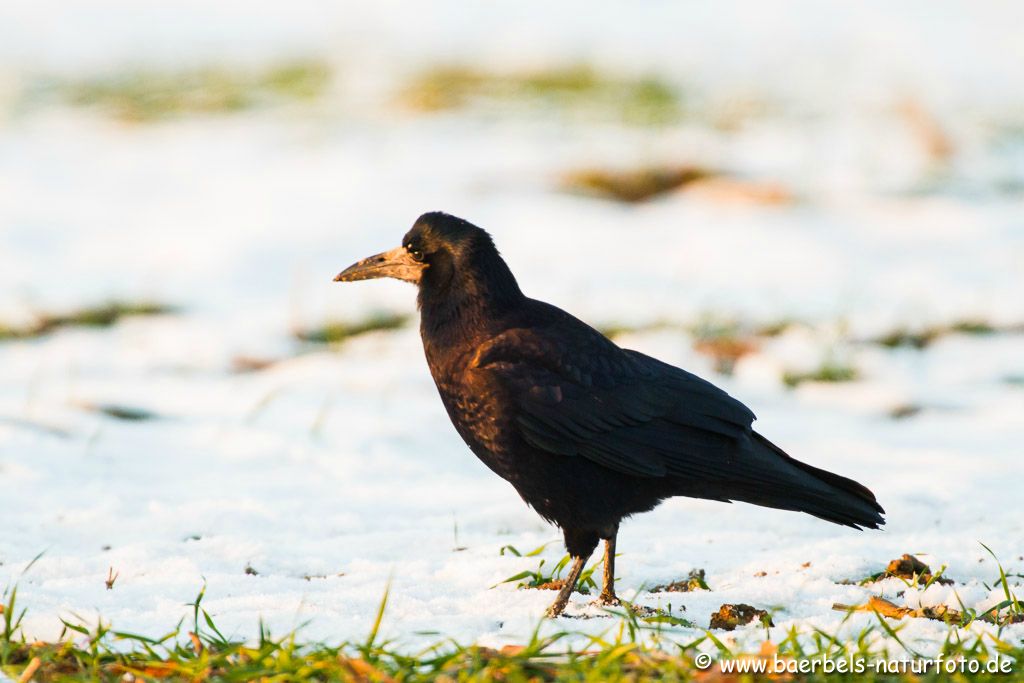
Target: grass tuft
{"points": [[340, 331], [636, 649], [637, 100], [829, 371], [615, 329], [694, 581], [550, 579], [925, 337], [724, 341], [633, 186], [121, 412], [153, 95], [102, 315], [905, 410]]}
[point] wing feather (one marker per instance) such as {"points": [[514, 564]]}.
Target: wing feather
{"points": [[618, 408]]}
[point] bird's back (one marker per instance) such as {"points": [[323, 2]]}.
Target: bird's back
{"points": [[560, 411]]}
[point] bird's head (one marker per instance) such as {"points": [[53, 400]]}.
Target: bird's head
{"points": [[445, 256]]}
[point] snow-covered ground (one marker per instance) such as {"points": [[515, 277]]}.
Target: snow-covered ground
{"points": [[334, 471]]}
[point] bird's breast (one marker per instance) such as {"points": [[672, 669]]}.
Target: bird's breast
{"points": [[480, 416]]}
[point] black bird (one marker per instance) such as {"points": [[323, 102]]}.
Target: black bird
{"points": [[588, 433]]}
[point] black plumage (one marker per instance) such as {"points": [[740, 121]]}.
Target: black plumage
{"points": [[588, 433]]}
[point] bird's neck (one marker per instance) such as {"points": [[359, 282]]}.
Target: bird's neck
{"points": [[469, 307]]}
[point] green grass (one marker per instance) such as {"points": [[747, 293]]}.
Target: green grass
{"points": [[152, 95], [342, 330], [550, 578], [121, 412], [632, 648], [925, 337], [695, 581], [618, 329], [629, 649], [774, 328], [829, 371], [638, 100], [914, 339], [102, 315], [726, 340]]}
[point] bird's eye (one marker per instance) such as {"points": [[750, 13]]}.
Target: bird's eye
{"points": [[417, 254]]}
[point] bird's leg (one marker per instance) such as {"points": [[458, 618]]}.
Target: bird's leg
{"points": [[570, 583], [608, 596]]}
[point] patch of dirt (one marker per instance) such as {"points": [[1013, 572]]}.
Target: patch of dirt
{"points": [[693, 582], [633, 186], [242, 363], [725, 351], [910, 568], [907, 567], [728, 617], [904, 410]]}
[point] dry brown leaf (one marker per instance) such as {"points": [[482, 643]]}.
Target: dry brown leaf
{"points": [[894, 611], [364, 671], [160, 670]]}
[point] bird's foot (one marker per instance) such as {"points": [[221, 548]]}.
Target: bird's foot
{"points": [[556, 609], [567, 588]]}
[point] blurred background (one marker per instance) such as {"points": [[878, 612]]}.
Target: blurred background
{"points": [[797, 159], [820, 207]]}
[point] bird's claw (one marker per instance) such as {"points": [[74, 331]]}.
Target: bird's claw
{"points": [[554, 611]]}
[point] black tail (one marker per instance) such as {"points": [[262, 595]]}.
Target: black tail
{"points": [[804, 488]]}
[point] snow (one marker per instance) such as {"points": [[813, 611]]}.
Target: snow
{"points": [[334, 473]]}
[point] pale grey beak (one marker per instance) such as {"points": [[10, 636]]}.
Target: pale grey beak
{"points": [[397, 263]]}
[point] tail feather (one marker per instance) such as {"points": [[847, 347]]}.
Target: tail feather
{"points": [[815, 491]]}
